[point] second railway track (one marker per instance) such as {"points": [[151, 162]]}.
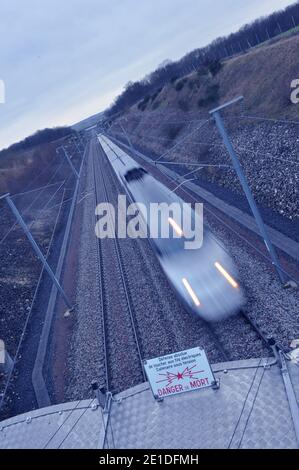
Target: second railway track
{"points": [[122, 356]]}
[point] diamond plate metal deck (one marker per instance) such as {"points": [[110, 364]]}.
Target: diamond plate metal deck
{"points": [[250, 410]]}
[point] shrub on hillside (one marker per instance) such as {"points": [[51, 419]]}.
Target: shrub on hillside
{"points": [[156, 94], [215, 67], [180, 85], [191, 84], [212, 95], [173, 131], [156, 104], [183, 105], [202, 71], [142, 105]]}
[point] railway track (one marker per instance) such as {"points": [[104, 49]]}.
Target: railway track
{"points": [[215, 329], [122, 353]]}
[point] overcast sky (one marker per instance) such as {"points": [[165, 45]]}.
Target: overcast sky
{"points": [[64, 60]]}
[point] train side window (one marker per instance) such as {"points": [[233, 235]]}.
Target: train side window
{"points": [[135, 174]]}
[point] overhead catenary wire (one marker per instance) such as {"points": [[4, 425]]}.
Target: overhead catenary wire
{"points": [[193, 164], [70, 199], [37, 177], [45, 207], [25, 193], [267, 155], [149, 114], [64, 202], [266, 258], [30, 205], [266, 119], [31, 308], [177, 121], [167, 139], [221, 145], [183, 139], [199, 164], [39, 210], [181, 184]]}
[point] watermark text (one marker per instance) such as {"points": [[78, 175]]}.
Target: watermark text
{"points": [[295, 92], [155, 220], [2, 352]]}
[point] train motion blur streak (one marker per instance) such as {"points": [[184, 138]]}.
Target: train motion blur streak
{"points": [[203, 279]]}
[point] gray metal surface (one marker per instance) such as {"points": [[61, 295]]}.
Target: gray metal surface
{"points": [[71, 425], [250, 410]]}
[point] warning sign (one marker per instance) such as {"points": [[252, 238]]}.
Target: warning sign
{"points": [[180, 372]]}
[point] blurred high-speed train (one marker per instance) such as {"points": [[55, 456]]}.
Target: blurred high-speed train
{"points": [[204, 279]]}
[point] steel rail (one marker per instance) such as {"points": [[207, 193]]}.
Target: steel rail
{"points": [[125, 289], [104, 383]]}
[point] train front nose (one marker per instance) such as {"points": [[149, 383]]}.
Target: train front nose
{"points": [[218, 296], [208, 287]]}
